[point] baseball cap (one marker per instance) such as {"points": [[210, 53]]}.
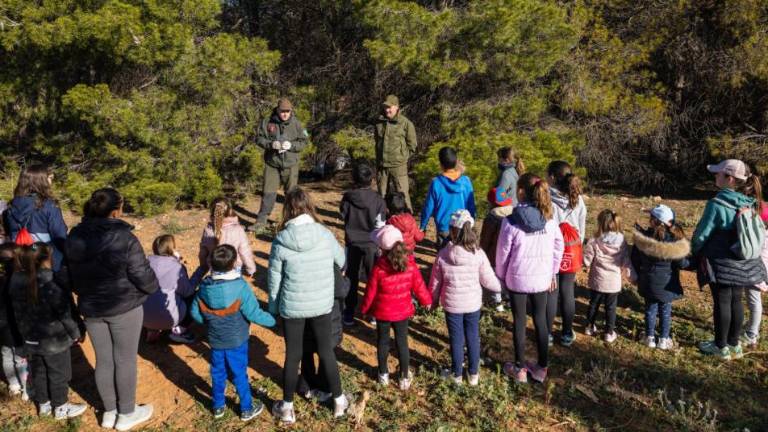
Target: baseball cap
{"points": [[732, 167], [460, 217], [386, 237], [663, 214], [391, 100]]}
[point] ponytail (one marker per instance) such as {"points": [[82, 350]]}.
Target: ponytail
{"points": [[565, 181], [28, 260], [398, 257], [519, 166], [465, 237], [751, 187], [661, 230], [536, 192], [220, 208]]}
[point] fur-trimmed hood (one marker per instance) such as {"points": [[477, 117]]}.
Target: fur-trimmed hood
{"points": [[663, 250]]}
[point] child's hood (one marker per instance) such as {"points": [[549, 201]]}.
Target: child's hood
{"points": [[559, 199], [21, 209], [611, 242], [452, 183], [403, 221], [458, 256], [164, 266], [362, 198], [528, 218], [668, 250], [301, 234], [220, 293]]}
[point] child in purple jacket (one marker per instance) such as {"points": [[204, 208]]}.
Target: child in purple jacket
{"points": [[528, 256]]}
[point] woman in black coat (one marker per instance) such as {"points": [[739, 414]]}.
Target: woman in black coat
{"points": [[112, 278]]}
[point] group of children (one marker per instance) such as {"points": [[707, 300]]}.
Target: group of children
{"points": [[532, 246]]}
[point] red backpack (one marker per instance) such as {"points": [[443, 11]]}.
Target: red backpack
{"points": [[572, 253], [24, 238]]}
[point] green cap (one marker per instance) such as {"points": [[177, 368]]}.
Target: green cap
{"points": [[284, 105], [391, 100]]}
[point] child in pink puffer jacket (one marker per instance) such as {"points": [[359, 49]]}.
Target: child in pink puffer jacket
{"points": [[528, 256], [606, 256], [225, 228], [460, 272], [754, 296]]}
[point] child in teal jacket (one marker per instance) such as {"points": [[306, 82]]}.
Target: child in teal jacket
{"points": [[227, 306]]}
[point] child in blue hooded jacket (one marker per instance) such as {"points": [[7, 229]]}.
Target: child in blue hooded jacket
{"points": [[226, 304], [447, 193]]}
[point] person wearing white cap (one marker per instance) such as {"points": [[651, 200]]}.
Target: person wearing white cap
{"points": [[458, 276], [722, 268], [658, 255]]}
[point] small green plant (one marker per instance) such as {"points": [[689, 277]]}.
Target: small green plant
{"points": [[689, 412], [173, 227]]}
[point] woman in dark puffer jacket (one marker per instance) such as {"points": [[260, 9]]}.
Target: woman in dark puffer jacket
{"points": [[112, 278]]}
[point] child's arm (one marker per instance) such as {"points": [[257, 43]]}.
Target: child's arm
{"points": [[274, 279], [245, 253], [57, 228], [704, 228], [436, 281], [559, 249], [420, 288], [503, 247], [339, 257], [488, 279], [249, 307], [138, 270], [184, 286], [470, 202], [583, 219], [194, 310], [418, 235], [589, 252], [429, 207], [370, 291], [344, 208], [205, 250], [60, 302]]}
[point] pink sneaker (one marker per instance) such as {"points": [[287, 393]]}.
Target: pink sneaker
{"points": [[538, 373], [520, 375]]}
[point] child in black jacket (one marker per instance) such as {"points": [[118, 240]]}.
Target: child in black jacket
{"points": [[48, 324], [15, 368]]}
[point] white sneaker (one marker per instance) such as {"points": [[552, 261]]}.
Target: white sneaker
{"points": [[474, 379], [139, 415], [499, 307], [69, 410], [457, 380], [610, 337], [405, 383], [14, 389], [108, 419], [340, 405], [384, 379], [666, 343], [44, 409], [591, 330], [650, 342], [284, 412]]}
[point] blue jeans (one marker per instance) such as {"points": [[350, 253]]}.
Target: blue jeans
{"points": [[461, 328], [651, 309], [234, 361]]}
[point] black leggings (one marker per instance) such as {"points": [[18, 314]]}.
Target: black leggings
{"points": [[401, 340], [357, 257], [728, 314], [519, 304], [294, 350], [609, 299], [563, 293]]}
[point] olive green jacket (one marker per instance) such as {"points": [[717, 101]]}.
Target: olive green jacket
{"points": [[273, 129], [395, 141]]}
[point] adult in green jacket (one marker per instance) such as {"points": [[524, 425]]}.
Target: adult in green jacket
{"points": [[395, 139], [301, 285], [282, 137], [726, 273]]}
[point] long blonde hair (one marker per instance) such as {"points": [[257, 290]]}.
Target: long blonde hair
{"points": [[220, 208]]}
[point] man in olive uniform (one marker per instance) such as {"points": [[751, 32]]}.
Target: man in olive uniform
{"points": [[282, 137], [395, 139]]}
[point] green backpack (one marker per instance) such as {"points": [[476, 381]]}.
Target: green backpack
{"points": [[750, 231]]}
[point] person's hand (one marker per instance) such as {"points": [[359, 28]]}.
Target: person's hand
{"points": [[286, 145], [553, 285], [277, 145]]}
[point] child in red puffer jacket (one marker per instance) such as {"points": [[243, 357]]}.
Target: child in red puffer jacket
{"points": [[388, 298], [401, 218]]}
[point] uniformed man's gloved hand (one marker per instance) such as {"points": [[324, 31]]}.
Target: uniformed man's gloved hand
{"points": [[286, 145], [277, 145]]}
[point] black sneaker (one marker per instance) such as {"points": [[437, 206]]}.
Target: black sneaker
{"points": [[349, 318], [258, 407], [218, 412]]}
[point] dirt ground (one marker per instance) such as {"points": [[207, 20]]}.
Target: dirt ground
{"points": [[175, 379]]}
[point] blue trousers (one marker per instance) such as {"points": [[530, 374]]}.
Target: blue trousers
{"points": [[665, 318], [464, 328], [234, 361]]}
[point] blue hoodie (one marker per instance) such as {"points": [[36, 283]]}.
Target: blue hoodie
{"points": [[46, 224], [444, 197], [226, 304]]}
